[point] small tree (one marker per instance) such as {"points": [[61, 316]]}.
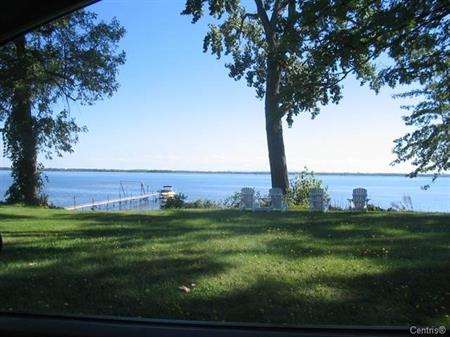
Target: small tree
{"points": [[73, 59]]}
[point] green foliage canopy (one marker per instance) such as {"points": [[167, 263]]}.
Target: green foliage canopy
{"points": [[285, 35], [421, 51], [73, 59], [317, 43], [415, 36]]}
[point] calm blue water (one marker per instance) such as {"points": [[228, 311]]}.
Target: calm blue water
{"points": [[62, 187]]}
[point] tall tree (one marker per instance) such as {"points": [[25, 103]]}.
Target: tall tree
{"points": [[73, 59], [296, 52], [274, 45]]}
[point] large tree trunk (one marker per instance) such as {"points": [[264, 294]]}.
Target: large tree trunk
{"points": [[22, 138], [274, 129]]}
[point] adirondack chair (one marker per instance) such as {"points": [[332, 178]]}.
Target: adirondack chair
{"points": [[247, 199], [318, 200], [359, 199], [276, 200]]}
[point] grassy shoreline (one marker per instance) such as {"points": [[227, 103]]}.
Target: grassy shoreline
{"points": [[296, 268]]}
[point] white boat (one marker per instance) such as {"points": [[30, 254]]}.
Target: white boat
{"points": [[166, 192]]}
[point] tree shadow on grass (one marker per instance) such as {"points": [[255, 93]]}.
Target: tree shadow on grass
{"points": [[103, 283], [320, 223], [106, 265], [4, 216], [405, 296], [401, 249]]}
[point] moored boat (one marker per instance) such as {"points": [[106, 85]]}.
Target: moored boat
{"points": [[166, 192]]}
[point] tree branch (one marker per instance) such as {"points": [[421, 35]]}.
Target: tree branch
{"points": [[264, 19], [285, 107], [62, 76], [291, 8], [275, 13], [63, 90], [246, 15], [278, 8]]}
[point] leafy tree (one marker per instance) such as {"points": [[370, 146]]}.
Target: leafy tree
{"points": [[73, 59], [428, 146], [414, 36], [418, 40], [294, 53]]}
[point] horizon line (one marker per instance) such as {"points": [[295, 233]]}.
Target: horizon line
{"points": [[58, 169]]}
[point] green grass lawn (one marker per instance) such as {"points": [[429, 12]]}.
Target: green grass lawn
{"points": [[296, 267]]}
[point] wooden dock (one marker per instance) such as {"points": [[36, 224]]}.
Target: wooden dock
{"points": [[110, 202]]}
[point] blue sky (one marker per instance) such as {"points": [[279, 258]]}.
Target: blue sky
{"points": [[176, 108]]}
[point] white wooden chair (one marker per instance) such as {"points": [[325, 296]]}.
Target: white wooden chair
{"points": [[359, 199], [318, 201], [247, 199], [276, 200]]}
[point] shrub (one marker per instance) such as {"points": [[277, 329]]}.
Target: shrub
{"points": [[375, 208], [335, 208], [404, 205], [301, 185], [202, 203], [176, 201], [263, 200], [233, 201]]}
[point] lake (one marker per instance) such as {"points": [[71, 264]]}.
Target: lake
{"points": [[63, 186]]}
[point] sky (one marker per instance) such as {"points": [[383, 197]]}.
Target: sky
{"points": [[177, 109]]}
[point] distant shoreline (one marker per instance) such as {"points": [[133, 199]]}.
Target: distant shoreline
{"points": [[221, 172]]}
